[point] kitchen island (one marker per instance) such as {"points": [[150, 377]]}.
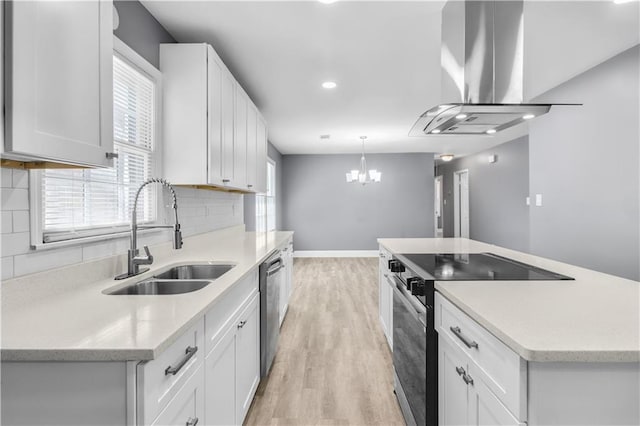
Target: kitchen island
{"points": [[561, 352], [73, 354]]}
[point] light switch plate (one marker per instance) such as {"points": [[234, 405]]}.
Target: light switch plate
{"points": [[528, 201], [539, 200]]}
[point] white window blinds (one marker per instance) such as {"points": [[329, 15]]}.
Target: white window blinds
{"points": [[79, 203]]}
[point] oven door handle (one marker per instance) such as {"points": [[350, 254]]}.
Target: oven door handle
{"points": [[418, 310]]}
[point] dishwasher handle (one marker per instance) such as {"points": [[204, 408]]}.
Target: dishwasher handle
{"points": [[275, 266]]}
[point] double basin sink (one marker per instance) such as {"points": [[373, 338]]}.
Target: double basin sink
{"points": [[176, 280]]}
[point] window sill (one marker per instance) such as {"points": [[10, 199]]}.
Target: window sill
{"points": [[91, 239]]}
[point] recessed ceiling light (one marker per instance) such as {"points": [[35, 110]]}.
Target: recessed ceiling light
{"points": [[327, 1], [329, 85], [491, 131], [528, 116], [446, 157], [435, 131], [461, 116]]}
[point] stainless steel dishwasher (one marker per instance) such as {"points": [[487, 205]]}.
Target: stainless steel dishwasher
{"points": [[271, 276]]}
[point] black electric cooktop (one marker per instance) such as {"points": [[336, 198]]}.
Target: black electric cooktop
{"points": [[475, 267]]}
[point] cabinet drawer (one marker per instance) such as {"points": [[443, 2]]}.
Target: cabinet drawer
{"points": [[503, 370], [187, 406], [228, 307], [160, 380]]}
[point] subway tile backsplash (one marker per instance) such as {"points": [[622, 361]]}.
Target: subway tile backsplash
{"points": [[199, 211]]}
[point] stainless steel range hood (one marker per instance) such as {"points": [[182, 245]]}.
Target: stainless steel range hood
{"points": [[482, 70]]}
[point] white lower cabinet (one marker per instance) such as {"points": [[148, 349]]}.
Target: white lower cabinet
{"points": [[480, 380], [286, 282], [232, 367], [385, 294], [453, 392], [187, 407], [464, 398], [220, 378], [247, 358]]}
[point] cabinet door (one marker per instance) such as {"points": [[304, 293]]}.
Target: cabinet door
{"points": [[452, 389], [187, 407], [220, 379], [2, 103], [252, 146], [261, 156], [247, 357], [215, 71], [484, 406], [385, 297], [228, 107], [59, 60], [240, 144]]}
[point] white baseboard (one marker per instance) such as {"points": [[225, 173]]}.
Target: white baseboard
{"points": [[335, 253]]}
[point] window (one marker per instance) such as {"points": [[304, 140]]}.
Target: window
{"points": [[266, 203], [84, 203]]}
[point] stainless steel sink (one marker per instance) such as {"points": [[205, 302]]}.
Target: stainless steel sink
{"points": [[177, 280], [195, 272], [158, 287]]}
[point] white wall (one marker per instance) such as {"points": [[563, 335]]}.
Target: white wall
{"points": [[199, 211]]}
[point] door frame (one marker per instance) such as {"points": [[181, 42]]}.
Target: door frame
{"points": [[457, 222], [439, 205]]}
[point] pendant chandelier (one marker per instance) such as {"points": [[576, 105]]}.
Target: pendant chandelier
{"points": [[363, 176]]}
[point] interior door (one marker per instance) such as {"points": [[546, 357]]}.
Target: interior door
{"points": [[461, 203], [438, 206]]}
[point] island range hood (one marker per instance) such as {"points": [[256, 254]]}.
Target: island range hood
{"points": [[482, 62]]}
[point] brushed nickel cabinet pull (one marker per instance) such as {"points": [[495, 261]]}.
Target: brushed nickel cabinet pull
{"points": [[111, 155], [467, 379], [190, 352], [192, 422], [242, 323], [470, 344]]}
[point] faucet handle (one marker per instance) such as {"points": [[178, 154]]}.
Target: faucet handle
{"points": [[148, 259]]}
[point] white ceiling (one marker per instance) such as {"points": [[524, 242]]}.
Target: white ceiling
{"points": [[385, 58]]}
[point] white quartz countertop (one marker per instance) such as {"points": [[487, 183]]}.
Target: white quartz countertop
{"points": [[594, 318], [63, 315]]}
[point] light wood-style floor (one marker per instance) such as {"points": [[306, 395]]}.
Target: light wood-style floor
{"points": [[333, 365]]}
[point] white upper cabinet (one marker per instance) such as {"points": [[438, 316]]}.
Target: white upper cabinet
{"points": [[252, 146], [59, 66], [208, 120], [261, 156], [240, 142], [228, 118], [216, 73]]}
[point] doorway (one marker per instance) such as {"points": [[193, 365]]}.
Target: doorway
{"points": [[437, 216], [461, 203]]}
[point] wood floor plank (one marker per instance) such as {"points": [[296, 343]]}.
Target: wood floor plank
{"points": [[333, 365]]}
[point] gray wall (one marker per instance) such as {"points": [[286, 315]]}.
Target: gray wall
{"points": [[584, 162], [497, 192], [140, 30], [327, 213], [250, 199]]}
